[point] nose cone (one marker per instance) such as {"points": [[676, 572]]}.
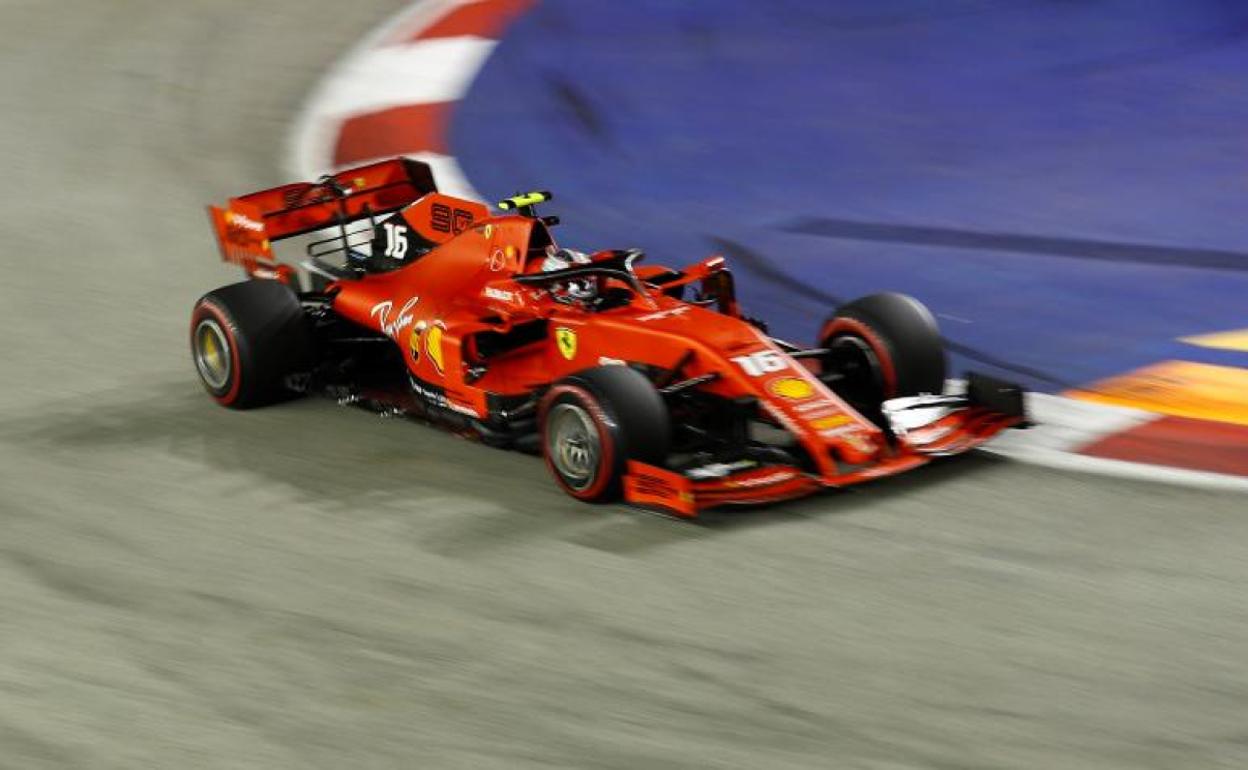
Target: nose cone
{"points": [[809, 409]]}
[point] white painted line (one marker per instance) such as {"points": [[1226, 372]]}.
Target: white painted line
{"points": [[1161, 474], [426, 72], [1065, 425]]}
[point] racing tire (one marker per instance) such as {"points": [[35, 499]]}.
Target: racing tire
{"points": [[246, 339], [883, 346], [595, 421]]}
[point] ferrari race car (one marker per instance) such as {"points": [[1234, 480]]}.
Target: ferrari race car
{"points": [[631, 380]]}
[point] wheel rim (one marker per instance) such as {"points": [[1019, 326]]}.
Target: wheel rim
{"points": [[573, 446], [212, 354], [861, 380]]}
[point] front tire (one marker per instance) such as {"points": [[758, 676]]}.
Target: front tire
{"points": [[246, 339], [882, 346], [594, 422]]}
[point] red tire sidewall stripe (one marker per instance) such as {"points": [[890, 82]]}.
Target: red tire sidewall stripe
{"points": [[606, 462], [207, 307], [882, 352]]}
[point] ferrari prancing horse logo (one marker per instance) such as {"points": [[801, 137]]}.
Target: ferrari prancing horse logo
{"points": [[565, 340]]}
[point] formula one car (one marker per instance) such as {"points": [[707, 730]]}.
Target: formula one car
{"points": [[644, 382]]}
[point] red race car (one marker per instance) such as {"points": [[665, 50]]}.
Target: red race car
{"points": [[639, 381]]}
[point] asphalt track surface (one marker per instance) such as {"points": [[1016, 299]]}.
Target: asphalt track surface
{"points": [[312, 586]]}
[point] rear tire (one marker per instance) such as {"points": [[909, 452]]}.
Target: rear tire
{"points": [[883, 346], [594, 422], [246, 339]]}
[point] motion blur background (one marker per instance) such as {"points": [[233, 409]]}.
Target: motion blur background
{"points": [[182, 586]]}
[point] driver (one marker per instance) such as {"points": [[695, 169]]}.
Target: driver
{"points": [[582, 289]]}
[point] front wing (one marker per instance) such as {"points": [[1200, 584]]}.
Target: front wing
{"points": [[921, 427]]}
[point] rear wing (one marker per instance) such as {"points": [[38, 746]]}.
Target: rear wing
{"points": [[247, 226]]}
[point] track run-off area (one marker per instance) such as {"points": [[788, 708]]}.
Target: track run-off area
{"points": [[311, 586]]}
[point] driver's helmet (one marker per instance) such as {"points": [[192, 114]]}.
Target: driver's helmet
{"points": [[576, 289]]}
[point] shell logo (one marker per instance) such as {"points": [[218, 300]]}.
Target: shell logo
{"points": [[792, 388], [433, 344]]}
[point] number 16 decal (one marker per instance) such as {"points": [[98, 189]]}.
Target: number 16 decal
{"points": [[396, 240], [762, 362]]}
